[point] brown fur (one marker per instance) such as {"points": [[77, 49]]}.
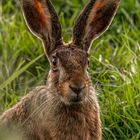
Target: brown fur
{"points": [[47, 112], [66, 108], [55, 120]]}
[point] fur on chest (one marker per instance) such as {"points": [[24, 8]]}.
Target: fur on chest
{"points": [[72, 125]]}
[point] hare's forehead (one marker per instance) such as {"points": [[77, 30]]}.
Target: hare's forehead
{"points": [[72, 56]]}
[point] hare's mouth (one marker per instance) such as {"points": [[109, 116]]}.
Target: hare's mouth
{"points": [[72, 98], [76, 99], [71, 93]]}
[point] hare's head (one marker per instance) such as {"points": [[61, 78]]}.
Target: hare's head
{"points": [[69, 62]]}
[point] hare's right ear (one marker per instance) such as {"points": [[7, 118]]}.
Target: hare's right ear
{"points": [[43, 22], [93, 21]]}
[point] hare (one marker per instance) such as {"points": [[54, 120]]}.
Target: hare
{"points": [[66, 108]]}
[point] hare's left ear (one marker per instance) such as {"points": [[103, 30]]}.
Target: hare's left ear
{"points": [[43, 22], [93, 21]]}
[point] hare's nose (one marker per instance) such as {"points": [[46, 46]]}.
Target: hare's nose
{"points": [[77, 89]]}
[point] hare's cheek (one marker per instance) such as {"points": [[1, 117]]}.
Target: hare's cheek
{"points": [[64, 91]]}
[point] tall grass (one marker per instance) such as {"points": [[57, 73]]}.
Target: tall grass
{"points": [[114, 63]]}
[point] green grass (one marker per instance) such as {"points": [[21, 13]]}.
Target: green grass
{"points": [[114, 63]]}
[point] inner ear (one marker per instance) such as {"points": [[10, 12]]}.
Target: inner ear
{"points": [[93, 21], [43, 22]]}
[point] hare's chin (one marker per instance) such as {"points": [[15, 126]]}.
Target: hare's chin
{"points": [[72, 101]]}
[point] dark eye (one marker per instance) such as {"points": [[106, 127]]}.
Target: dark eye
{"points": [[54, 61], [88, 62], [54, 64]]}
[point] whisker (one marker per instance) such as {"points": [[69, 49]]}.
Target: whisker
{"points": [[37, 110]]}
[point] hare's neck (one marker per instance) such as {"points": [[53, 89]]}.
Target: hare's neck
{"points": [[57, 118], [75, 118]]}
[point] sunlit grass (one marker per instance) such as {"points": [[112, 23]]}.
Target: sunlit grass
{"points": [[114, 63]]}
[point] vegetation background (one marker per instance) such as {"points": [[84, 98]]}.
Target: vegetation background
{"points": [[114, 63]]}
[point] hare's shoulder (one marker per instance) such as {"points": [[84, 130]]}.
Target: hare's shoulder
{"points": [[25, 105]]}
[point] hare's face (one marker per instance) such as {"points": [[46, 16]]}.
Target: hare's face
{"points": [[69, 73], [69, 62]]}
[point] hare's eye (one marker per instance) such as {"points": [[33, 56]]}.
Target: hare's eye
{"points": [[54, 64], [54, 61], [88, 62]]}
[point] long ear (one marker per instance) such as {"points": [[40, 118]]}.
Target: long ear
{"points": [[93, 21], [43, 22]]}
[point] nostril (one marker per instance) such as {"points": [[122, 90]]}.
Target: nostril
{"points": [[75, 89]]}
